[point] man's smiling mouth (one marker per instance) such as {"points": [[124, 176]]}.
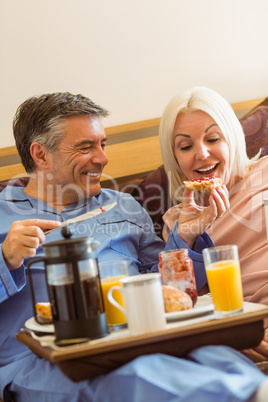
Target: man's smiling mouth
{"points": [[96, 174]]}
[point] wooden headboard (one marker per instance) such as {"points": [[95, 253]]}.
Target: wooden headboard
{"points": [[133, 149]]}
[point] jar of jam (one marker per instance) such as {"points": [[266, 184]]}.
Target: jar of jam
{"points": [[176, 269]]}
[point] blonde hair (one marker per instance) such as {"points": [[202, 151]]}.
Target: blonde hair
{"points": [[209, 101]]}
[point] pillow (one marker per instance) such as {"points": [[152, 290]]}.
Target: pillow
{"points": [[153, 194], [19, 182], [255, 125]]}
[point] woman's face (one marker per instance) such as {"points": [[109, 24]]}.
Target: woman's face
{"points": [[200, 147]]}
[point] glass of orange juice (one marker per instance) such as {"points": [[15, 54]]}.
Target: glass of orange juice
{"points": [[110, 273], [224, 279]]}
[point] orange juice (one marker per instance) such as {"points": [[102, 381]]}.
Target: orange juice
{"points": [[224, 281], [113, 315]]}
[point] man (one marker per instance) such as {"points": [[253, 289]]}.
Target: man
{"points": [[61, 142], [63, 149]]}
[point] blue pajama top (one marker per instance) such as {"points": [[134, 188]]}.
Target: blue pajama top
{"points": [[126, 231]]}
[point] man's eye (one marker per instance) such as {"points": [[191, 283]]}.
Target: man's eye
{"points": [[103, 145], [86, 149]]}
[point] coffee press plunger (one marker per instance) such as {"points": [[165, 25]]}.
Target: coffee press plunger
{"points": [[74, 288]]}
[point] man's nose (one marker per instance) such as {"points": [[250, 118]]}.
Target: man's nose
{"points": [[100, 157]]}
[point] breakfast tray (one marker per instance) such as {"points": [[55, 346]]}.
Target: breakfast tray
{"points": [[100, 356]]}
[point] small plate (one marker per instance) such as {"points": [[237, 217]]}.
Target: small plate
{"points": [[34, 326], [203, 305]]}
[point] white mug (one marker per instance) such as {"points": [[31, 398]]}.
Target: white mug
{"points": [[144, 302]]}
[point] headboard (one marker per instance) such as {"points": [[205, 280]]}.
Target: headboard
{"points": [[133, 150]]}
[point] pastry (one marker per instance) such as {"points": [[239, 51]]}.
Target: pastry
{"points": [[44, 310], [203, 184], [176, 299]]}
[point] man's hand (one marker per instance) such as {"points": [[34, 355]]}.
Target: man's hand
{"points": [[195, 219], [23, 239]]}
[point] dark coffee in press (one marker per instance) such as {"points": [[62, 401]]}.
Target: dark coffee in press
{"points": [[62, 295], [74, 289]]}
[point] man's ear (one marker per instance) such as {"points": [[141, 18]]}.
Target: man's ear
{"points": [[39, 155]]}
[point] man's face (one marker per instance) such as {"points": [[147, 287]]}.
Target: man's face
{"points": [[75, 167]]}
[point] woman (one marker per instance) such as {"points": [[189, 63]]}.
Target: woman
{"points": [[200, 135]]}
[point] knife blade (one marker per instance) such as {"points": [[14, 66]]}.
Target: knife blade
{"points": [[85, 216]]}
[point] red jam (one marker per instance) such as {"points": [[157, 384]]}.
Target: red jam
{"points": [[201, 179], [176, 269]]}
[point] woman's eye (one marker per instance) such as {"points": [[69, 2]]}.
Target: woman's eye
{"points": [[186, 148], [213, 140]]}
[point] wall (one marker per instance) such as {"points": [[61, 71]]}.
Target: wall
{"points": [[130, 56]]}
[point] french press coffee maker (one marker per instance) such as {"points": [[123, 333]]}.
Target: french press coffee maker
{"points": [[74, 288]]}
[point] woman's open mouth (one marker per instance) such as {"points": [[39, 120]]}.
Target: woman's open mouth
{"points": [[207, 171]]}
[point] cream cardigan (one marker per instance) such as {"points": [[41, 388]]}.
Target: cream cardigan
{"points": [[244, 225]]}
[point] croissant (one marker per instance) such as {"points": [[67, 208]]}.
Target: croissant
{"points": [[176, 299], [44, 310]]}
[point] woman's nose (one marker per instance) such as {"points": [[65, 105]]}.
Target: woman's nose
{"points": [[202, 152]]}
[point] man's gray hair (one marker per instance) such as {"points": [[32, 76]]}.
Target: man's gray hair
{"points": [[40, 119]]}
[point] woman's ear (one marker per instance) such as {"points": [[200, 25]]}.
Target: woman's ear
{"points": [[39, 155]]}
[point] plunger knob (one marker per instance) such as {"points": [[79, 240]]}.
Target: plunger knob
{"points": [[67, 232]]}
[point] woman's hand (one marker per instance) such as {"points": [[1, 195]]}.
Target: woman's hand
{"points": [[170, 218], [195, 219], [259, 353]]}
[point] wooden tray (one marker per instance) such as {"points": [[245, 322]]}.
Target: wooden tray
{"points": [[78, 362]]}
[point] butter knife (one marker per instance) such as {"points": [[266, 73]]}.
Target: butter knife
{"points": [[85, 216]]}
